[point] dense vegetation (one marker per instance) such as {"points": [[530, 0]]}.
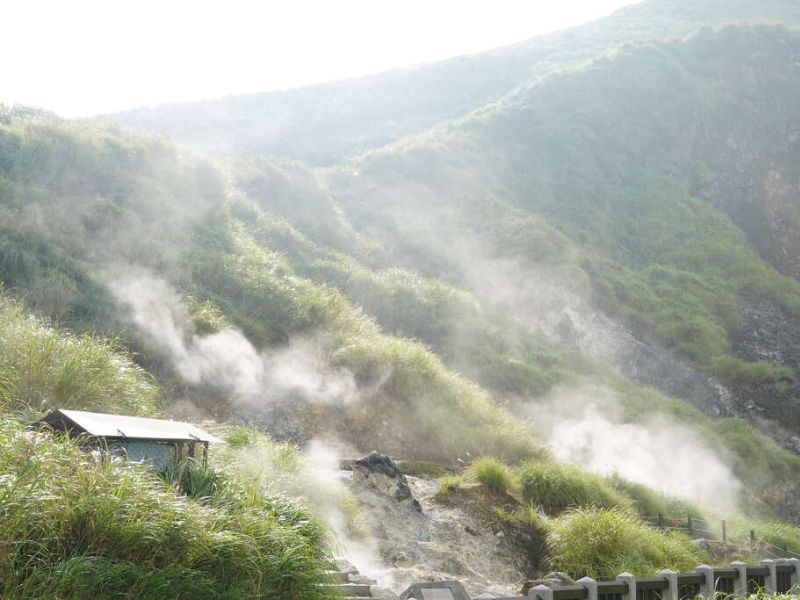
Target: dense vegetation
{"points": [[656, 255]]}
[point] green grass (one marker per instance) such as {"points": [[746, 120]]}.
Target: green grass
{"points": [[493, 474], [43, 368], [422, 468], [604, 542], [427, 394], [449, 483], [74, 527], [556, 487], [770, 536], [650, 503]]}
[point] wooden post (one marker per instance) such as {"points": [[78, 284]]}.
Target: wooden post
{"points": [[724, 532], [660, 521], [689, 525], [752, 540]]}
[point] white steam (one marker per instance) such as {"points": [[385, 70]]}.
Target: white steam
{"points": [[226, 360], [317, 478], [584, 426], [323, 461]]}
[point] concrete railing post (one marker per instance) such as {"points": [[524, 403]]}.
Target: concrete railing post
{"points": [[771, 580], [541, 592], [707, 587], [740, 587], [672, 578], [630, 581], [591, 587], [795, 577]]}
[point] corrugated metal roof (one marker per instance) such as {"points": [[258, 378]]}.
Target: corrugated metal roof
{"points": [[122, 426]]}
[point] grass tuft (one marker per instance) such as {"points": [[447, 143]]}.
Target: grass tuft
{"points": [[556, 487], [493, 474], [604, 542], [449, 484]]}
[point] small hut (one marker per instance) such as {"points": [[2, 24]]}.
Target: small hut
{"points": [[159, 442]]}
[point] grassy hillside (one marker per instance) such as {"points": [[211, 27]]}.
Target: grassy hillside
{"points": [[217, 251], [73, 525], [420, 348]]}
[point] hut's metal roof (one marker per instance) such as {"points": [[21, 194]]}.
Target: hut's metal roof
{"points": [[122, 427]]}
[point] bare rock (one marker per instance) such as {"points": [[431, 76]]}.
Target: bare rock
{"points": [[381, 472]]}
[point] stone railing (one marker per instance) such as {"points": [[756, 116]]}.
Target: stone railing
{"points": [[738, 579]]}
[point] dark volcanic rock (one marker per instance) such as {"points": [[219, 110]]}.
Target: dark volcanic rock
{"points": [[380, 464], [381, 472]]}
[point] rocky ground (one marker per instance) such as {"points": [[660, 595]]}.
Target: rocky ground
{"points": [[420, 537]]}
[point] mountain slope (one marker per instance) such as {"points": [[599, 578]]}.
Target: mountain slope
{"points": [[620, 158], [324, 123]]}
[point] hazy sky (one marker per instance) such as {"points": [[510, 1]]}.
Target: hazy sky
{"points": [[81, 57]]}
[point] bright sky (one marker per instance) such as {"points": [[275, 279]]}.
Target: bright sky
{"points": [[82, 57]]}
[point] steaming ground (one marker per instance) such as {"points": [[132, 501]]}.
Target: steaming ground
{"points": [[226, 360], [583, 425]]}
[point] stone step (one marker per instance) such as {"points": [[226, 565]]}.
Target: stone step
{"points": [[337, 576], [353, 590]]}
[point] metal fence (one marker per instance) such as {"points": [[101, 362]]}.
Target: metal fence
{"points": [[739, 579]]}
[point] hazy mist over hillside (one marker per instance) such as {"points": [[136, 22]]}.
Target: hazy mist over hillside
{"points": [[558, 282]]}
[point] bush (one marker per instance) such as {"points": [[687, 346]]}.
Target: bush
{"points": [[604, 542], [555, 487], [200, 482], [493, 474]]}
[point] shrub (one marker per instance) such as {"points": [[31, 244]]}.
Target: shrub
{"points": [[198, 481], [604, 542], [493, 474], [555, 487]]}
